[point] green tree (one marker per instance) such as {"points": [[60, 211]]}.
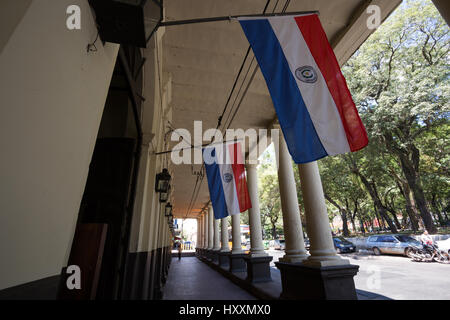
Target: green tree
{"points": [[269, 194], [399, 79]]}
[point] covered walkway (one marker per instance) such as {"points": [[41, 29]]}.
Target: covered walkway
{"points": [[193, 279], [190, 279]]}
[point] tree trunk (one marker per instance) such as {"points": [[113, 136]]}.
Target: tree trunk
{"points": [[352, 221], [437, 211], [350, 215], [377, 217], [361, 223], [394, 216], [411, 210], [345, 230], [410, 207], [343, 214], [377, 202], [274, 231], [410, 170], [370, 187]]}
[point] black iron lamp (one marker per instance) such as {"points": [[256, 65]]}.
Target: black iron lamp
{"points": [[129, 22], [162, 181], [163, 196], [168, 210]]}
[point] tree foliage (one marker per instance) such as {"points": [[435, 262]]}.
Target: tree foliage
{"points": [[399, 80]]}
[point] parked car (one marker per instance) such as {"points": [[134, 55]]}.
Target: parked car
{"points": [[391, 244], [277, 244], [342, 245], [444, 245]]}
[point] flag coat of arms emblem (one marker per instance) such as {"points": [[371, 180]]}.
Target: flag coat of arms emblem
{"points": [[314, 106], [226, 179]]}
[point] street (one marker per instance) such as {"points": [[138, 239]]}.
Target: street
{"points": [[396, 277]]}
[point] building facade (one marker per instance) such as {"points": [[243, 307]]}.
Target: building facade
{"points": [[84, 129]]}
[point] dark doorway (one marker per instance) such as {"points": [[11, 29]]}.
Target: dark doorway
{"points": [[108, 197]]}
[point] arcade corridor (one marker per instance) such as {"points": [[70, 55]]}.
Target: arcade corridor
{"points": [[191, 279]]}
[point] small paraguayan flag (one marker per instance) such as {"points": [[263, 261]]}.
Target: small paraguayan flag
{"points": [[226, 179], [315, 109]]}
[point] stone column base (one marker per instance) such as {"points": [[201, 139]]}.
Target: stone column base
{"points": [[258, 268], [237, 262], [224, 260], [208, 254], [317, 283], [215, 256]]}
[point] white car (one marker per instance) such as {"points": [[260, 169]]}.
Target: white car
{"points": [[444, 245]]}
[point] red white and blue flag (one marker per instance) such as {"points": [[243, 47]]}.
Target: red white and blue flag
{"points": [[315, 109], [226, 179]]}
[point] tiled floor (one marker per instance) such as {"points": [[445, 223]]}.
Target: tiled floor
{"points": [[191, 279]]}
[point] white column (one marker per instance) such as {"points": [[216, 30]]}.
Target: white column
{"points": [[256, 243], [206, 230], [197, 242], [216, 246], [236, 233], [200, 243], [318, 226], [210, 228], [224, 235], [292, 225], [204, 234], [202, 240]]}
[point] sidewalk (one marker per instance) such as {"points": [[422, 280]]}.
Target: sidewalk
{"points": [[271, 290], [191, 279]]}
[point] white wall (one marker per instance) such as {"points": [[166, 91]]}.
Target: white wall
{"points": [[52, 94]]}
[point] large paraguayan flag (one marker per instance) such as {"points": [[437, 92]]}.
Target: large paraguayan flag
{"points": [[315, 109], [226, 179]]}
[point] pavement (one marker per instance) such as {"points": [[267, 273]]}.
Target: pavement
{"points": [[191, 279], [395, 277]]}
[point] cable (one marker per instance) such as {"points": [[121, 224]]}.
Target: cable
{"points": [[240, 88], [243, 95]]}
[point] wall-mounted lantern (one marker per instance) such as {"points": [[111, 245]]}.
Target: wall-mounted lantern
{"points": [[163, 196], [168, 210], [162, 181], [127, 21]]}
